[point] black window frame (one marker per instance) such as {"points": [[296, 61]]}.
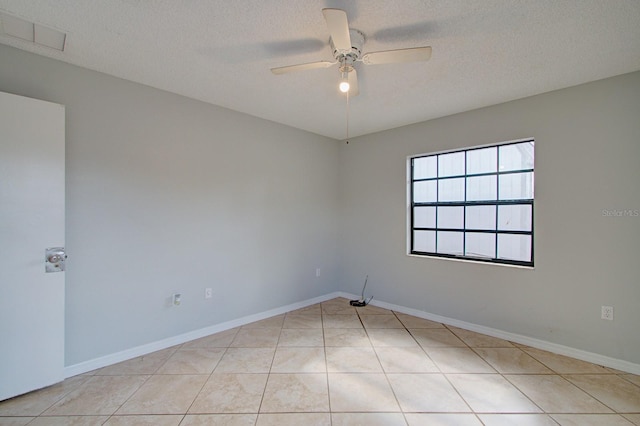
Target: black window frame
{"points": [[497, 202]]}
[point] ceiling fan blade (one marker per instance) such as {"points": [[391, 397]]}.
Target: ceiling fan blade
{"points": [[338, 28], [352, 78], [302, 67], [414, 54]]}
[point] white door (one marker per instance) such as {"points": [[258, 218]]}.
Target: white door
{"points": [[32, 140]]}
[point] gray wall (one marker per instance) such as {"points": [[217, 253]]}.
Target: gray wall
{"points": [[166, 194], [587, 153]]}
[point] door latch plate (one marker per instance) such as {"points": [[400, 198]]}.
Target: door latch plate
{"points": [[54, 259]]}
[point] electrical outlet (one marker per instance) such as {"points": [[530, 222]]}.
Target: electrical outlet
{"points": [[208, 293], [607, 313], [177, 299], [317, 272]]}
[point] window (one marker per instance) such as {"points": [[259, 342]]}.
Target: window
{"points": [[474, 204]]}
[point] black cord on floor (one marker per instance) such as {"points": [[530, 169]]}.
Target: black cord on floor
{"points": [[361, 302]]}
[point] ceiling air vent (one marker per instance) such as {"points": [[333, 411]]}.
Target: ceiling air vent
{"points": [[35, 33]]}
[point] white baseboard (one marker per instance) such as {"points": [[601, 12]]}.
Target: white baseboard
{"points": [[591, 357], [111, 359], [104, 361]]}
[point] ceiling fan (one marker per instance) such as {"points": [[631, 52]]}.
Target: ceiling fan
{"points": [[346, 45]]}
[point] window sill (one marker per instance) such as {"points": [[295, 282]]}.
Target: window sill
{"points": [[478, 262]]}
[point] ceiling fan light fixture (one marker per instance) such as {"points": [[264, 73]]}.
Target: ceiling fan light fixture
{"points": [[344, 86]]}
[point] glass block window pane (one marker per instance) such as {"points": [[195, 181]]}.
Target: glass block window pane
{"points": [[482, 188], [424, 217], [425, 167], [482, 160], [450, 242], [451, 189], [516, 186], [514, 217], [480, 244], [425, 191], [481, 217], [514, 247], [516, 156], [451, 164], [424, 241], [451, 217]]}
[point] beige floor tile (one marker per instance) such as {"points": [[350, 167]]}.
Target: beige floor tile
{"points": [[428, 419], [100, 395], [341, 321], [219, 420], [271, 322], [632, 378], [301, 337], [288, 393], [71, 421], [256, 338], [564, 365], [192, 361], [337, 301], [294, 419], [302, 321], [517, 419], [591, 420], [436, 338], [405, 360], [346, 337], [512, 361], [230, 393], [409, 321], [426, 393], [491, 393], [164, 394], [391, 337], [381, 321], [217, 340], [520, 345], [146, 364], [15, 421], [352, 360], [633, 418], [34, 403], [458, 360], [361, 392], [555, 394], [145, 420], [477, 340], [299, 360], [339, 311], [311, 309], [280, 363], [367, 419], [613, 391], [337, 306], [373, 310], [245, 360]]}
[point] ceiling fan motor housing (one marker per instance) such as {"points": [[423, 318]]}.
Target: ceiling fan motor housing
{"points": [[347, 59]]}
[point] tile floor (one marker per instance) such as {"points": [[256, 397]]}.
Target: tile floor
{"points": [[332, 364]]}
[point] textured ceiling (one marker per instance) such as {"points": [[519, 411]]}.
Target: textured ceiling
{"points": [[220, 51]]}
